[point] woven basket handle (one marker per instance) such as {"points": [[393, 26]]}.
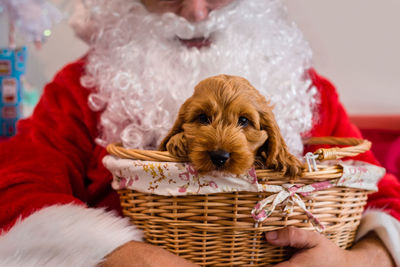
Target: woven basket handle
{"points": [[354, 147], [148, 155]]}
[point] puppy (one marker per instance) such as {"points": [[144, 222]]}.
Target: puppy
{"points": [[227, 125]]}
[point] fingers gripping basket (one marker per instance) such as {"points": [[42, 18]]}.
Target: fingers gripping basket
{"points": [[220, 221]]}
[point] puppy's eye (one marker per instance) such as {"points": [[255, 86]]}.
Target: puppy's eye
{"points": [[243, 121], [204, 119]]}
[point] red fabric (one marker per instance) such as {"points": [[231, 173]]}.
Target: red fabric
{"points": [[53, 158], [392, 160]]}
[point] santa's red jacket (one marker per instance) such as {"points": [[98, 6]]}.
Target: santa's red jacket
{"points": [[53, 159]]}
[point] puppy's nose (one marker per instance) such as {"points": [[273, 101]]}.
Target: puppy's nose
{"points": [[219, 157]]}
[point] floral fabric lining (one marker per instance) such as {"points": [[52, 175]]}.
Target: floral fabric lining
{"points": [[176, 179]]}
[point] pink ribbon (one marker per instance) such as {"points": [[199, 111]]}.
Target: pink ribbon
{"points": [[288, 194]]}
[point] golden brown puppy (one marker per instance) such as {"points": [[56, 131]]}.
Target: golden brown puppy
{"points": [[228, 125]]}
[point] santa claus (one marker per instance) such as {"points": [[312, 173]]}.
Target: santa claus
{"points": [[145, 59]]}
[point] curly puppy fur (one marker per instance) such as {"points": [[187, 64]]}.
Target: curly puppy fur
{"points": [[228, 125]]}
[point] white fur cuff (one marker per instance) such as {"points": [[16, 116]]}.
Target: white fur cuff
{"points": [[66, 235], [386, 227]]}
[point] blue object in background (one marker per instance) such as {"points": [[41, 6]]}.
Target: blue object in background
{"points": [[12, 69]]}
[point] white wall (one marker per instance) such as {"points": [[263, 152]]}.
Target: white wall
{"points": [[356, 45]]}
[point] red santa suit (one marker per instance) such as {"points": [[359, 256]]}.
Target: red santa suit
{"points": [[55, 193]]}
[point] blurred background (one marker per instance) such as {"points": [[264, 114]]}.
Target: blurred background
{"points": [[356, 45]]}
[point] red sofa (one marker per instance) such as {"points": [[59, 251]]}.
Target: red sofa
{"points": [[384, 133]]}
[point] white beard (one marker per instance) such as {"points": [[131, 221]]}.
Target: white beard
{"points": [[142, 74]]}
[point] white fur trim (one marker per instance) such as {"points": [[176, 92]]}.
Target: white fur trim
{"points": [[386, 227], [66, 235]]}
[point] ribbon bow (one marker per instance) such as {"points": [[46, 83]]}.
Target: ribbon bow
{"points": [[287, 194]]}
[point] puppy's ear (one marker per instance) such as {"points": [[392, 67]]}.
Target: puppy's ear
{"points": [[274, 151], [176, 130]]}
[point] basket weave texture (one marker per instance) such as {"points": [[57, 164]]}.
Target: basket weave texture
{"points": [[218, 229]]}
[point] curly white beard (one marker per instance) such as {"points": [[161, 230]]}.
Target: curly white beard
{"points": [[142, 74]]}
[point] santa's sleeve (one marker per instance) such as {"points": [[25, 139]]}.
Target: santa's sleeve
{"points": [[383, 208], [43, 217]]}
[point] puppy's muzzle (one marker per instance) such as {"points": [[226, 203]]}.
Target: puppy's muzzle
{"points": [[219, 157]]}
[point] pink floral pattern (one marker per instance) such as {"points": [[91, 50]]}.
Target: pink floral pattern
{"points": [[170, 178], [164, 178]]}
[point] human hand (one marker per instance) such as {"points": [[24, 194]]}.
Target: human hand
{"points": [[315, 249], [144, 255]]}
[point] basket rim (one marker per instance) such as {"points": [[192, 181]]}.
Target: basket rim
{"points": [[353, 147]]}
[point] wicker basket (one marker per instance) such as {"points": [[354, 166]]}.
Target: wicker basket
{"points": [[218, 229]]}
